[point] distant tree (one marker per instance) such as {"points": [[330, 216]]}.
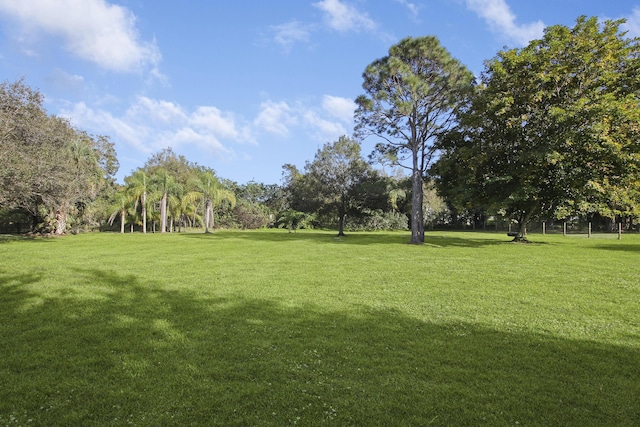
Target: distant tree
{"points": [[292, 220], [119, 207], [251, 215], [212, 194], [335, 175], [411, 99], [137, 187], [553, 129], [163, 183]]}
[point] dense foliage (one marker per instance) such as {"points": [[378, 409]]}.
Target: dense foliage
{"points": [[51, 173], [553, 130]]}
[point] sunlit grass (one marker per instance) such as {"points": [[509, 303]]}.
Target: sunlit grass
{"points": [[277, 328]]}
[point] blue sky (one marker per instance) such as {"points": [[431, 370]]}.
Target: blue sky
{"points": [[244, 87]]}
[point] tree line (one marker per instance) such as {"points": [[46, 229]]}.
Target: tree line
{"points": [[548, 131], [58, 179]]}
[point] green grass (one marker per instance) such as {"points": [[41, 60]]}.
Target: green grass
{"points": [[273, 328]]}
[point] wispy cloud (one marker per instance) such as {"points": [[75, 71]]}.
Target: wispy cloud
{"points": [[413, 8], [498, 15], [340, 108], [632, 26], [286, 35], [344, 17], [93, 30], [324, 122]]}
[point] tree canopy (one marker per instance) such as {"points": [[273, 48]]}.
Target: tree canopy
{"points": [[553, 129], [50, 170], [336, 176], [410, 99]]}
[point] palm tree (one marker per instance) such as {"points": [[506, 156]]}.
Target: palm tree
{"points": [[213, 195], [137, 188], [164, 184], [182, 205], [395, 195], [122, 202], [292, 219]]}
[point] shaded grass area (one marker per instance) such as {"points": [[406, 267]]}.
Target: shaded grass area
{"points": [[272, 328]]}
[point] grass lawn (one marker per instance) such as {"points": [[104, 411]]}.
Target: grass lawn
{"points": [[272, 328]]}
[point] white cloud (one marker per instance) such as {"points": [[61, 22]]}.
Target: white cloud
{"points": [[500, 18], [340, 108], [212, 119], [103, 122], [189, 136], [343, 17], [324, 122], [632, 26], [93, 30], [414, 9], [149, 125], [286, 35], [158, 111], [323, 129], [275, 117]]}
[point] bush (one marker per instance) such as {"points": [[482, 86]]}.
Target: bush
{"points": [[378, 220]]}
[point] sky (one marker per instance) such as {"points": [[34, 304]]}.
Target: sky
{"points": [[245, 86]]}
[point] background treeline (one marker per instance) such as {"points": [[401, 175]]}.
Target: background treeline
{"points": [[57, 179], [550, 132]]}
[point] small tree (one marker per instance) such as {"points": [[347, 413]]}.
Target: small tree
{"points": [[335, 174], [213, 195]]}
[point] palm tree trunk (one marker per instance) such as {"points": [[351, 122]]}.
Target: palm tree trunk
{"points": [[122, 218], [163, 213], [143, 201], [207, 215]]}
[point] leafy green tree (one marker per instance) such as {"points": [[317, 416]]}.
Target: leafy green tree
{"points": [[335, 175], [411, 98], [553, 129], [50, 170]]}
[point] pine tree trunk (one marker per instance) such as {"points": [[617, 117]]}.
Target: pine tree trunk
{"points": [[417, 225]]}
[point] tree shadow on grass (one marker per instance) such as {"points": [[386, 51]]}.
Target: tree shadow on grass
{"points": [[622, 247], [355, 238], [7, 238], [114, 349]]}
